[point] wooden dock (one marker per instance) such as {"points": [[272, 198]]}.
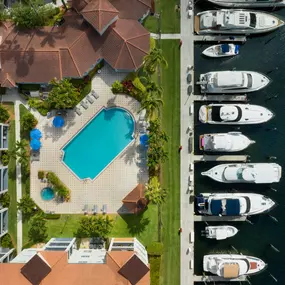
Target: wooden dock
{"points": [[208, 278], [220, 98], [218, 38], [198, 218], [240, 158]]}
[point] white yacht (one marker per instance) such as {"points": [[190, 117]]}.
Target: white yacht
{"points": [[249, 3], [222, 50], [224, 142], [234, 114], [235, 21], [232, 266], [232, 204], [245, 173], [229, 82], [220, 232]]}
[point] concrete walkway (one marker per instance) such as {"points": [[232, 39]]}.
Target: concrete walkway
{"points": [[186, 179], [166, 36]]}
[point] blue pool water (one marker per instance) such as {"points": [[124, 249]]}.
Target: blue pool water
{"points": [[47, 194], [99, 142]]}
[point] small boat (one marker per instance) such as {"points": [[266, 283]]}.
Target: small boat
{"points": [[229, 82], [245, 173], [224, 142], [222, 50], [232, 204], [232, 266], [234, 114], [235, 21], [249, 3], [220, 232]]}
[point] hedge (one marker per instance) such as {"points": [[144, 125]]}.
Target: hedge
{"points": [[155, 249], [59, 188], [154, 262], [52, 216]]}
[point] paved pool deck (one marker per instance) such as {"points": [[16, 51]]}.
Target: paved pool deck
{"points": [[115, 182]]}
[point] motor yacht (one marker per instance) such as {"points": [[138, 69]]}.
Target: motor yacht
{"points": [[234, 114], [245, 173], [229, 82], [224, 142], [222, 50], [235, 21], [219, 232], [249, 3], [232, 204], [232, 266]]}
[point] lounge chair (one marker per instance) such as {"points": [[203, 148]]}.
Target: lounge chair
{"points": [[142, 115], [84, 105], [104, 209], [95, 210], [78, 111], [85, 209], [94, 94], [89, 99]]}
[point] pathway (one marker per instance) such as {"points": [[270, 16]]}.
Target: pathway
{"points": [[166, 36], [186, 120]]}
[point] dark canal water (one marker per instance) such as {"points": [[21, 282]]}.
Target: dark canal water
{"points": [[266, 54]]}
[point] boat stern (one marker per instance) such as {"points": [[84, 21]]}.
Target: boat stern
{"points": [[201, 142], [207, 263], [203, 114]]}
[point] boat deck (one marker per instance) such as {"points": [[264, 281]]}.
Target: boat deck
{"points": [[218, 38], [221, 98], [241, 158], [210, 278], [198, 218]]}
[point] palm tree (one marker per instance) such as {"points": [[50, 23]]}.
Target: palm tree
{"points": [[21, 145], [151, 103], [153, 60], [154, 193], [20, 152]]}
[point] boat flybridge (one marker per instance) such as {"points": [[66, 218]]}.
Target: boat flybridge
{"points": [[232, 204], [219, 232], [224, 142], [235, 21], [222, 50], [249, 3], [245, 173], [234, 114], [232, 266], [229, 82]]}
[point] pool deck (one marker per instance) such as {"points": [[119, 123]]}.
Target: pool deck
{"points": [[115, 182]]}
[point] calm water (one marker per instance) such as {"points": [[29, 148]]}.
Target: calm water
{"points": [[99, 142], [266, 54], [47, 194]]}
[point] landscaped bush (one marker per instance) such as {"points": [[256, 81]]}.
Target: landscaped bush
{"points": [[28, 122], [6, 241], [117, 87], [138, 85], [59, 188], [5, 157], [28, 206], [41, 174], [4, 114], [5, 200], [155, 249], [52, 216], [154, 262]]}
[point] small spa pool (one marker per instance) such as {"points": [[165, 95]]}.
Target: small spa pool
{"points": [[47, 194]]}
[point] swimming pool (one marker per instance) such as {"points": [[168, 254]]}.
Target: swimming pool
{"points": [[89, 152], [47, 194]]}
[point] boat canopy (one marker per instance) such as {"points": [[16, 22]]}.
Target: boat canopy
{"points": [[225, 48], [216, 207], [228, 207], [231, 270], [233, 207], [229, 78]]}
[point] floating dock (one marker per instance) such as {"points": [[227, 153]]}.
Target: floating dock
{"points": [[240, 158], [207, 278], [198, 218], [220, 98], [217, 38]]}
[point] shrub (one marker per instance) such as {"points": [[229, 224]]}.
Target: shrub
{"points": [[5, 157], [41, 106], [38, 229], [154, 262], [155, 249], [138, 85], [28, 122], [59, 188], [117, 87], [4, 114], [6, 241], [41, 174], [52, 216], [5, 200], [27, 206]]}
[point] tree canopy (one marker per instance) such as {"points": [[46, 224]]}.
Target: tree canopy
{"points": [[27, 206], [154, 193], [20, 152], [28, 122], [4, 114], [154, 59], [38, 229], [63, 95]]}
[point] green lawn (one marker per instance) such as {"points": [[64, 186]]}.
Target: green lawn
{"points": [[170, 79], [12, 215]]}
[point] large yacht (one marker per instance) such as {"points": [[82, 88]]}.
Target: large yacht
{"points": [[249, 3], [245, 173], [224, 142], [229, 82], [232, 266], [235, 21], [234, 114], [232, 204]]}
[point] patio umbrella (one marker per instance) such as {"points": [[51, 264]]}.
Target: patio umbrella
{"points": [[35, 144], [35, 134], [58, 122], [144, 140]]}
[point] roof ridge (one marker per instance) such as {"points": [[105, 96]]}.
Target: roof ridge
{"points": [[126, 43], [78, 38], [136, 46], [113, 259], [119, 55], [70, 53]]}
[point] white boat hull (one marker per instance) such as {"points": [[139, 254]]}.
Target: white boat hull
{"points": [[220, 232], [248, 4], [216, 51]]}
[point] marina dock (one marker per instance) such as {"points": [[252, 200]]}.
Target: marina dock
{"points": [[217, 38], [221, 98], [198, 218], [210, 278], [239, 158]]}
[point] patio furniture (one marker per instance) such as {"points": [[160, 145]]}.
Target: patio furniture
{"points": [[94, 94], [91, 246], [89, 99], [104, 209], [142, 115], [84, 105], [189, 78], [78, 111], [85, 209], [95, 210]]}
